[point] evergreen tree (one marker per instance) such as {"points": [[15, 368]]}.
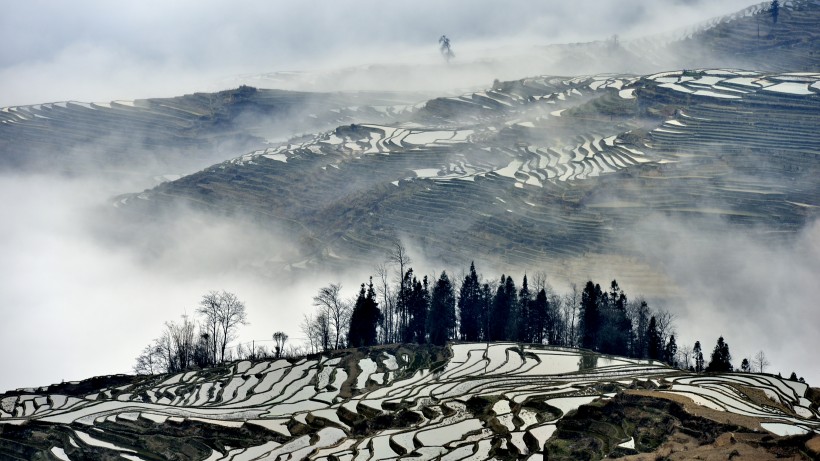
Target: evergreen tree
{"points": [[503, 325], [721, 358], [774, 10], [697, 354], [542, 322], [442, 320], [364, 318], [640, 348], [469, 306], [524, 330], [744, 366], [670, 351], [590, 315], [653, 340], [793, 377], [486, 308], [418, 303], [615, 334], [513, 320]]}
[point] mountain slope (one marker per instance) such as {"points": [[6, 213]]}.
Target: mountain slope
{"points": [[469, 401], [536, 171]]}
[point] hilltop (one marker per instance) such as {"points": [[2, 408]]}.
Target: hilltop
{"points": [[466, 401]]}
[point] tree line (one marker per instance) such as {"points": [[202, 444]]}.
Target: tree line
{"points": [[400, 307]]}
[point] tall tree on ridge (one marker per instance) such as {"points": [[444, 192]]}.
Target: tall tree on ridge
{"points": [[654, 341], [590, 315], [469, 306], [364, 318], [721, 358], [442, 319]]}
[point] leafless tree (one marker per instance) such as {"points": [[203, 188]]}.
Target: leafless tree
{"points": [[223, 313], [664, 321], [279, 339], [334, 310], [684, 356], [760, 362], [398, 255], [571, 302]]}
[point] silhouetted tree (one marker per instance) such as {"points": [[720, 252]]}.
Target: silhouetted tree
{"points": [[523, 315], [590, 323], [442, 320], [364, 318], [697, 355], [469, 306], [418, 303], [336, 311], [502, 326], [653, 340], [279, 340], [760, 361], [744, 365], [793, 377], [542, 319], [223, 314], [721, 358], [774, 10], [671, 351]]}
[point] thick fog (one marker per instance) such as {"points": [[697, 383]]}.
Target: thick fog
{"points": [[93, 50], [82, 296]]}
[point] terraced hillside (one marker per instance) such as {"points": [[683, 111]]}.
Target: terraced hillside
{"points": [[178, 134], [465, 402], [535, 171]]}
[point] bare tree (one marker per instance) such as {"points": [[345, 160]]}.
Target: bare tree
{"points": [[334, 309], [760, 362], [279, 339], [664, 322], [571, 302], [684, 358], [223, 313], [398, 256]]}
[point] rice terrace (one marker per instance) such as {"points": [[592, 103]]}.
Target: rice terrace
{"points": [[226, 258]]}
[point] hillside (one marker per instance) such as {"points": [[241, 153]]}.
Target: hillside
{"points": [[467, 401], [535, 171]]}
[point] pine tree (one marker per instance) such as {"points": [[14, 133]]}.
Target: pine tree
{"points": [[671, 351], [485, 309], [721, 358], [697, 354], [442, 320], [653, 340], [590, 316], [523, 329], [542, 320], [418, 303], [364, 318], [744, 366], [774, 10], [469, 306]]}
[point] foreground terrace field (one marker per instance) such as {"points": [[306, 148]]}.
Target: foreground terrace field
{"points": [[466, 401]]}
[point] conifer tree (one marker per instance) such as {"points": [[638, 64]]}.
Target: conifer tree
{"points": [[418, 303], [670, 351], [442, 319], [469, 306], [590, 315], [774, 10], [653, 339], [721, 358], [364, 318], [744, 366], [697, 354], [523, 330], [484, 314], [542, 321]]}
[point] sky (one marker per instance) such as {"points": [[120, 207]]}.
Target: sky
{"points": [[77, 304], [97, 50]]}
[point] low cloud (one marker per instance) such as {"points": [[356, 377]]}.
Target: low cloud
{"points": [[755, 288]]}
